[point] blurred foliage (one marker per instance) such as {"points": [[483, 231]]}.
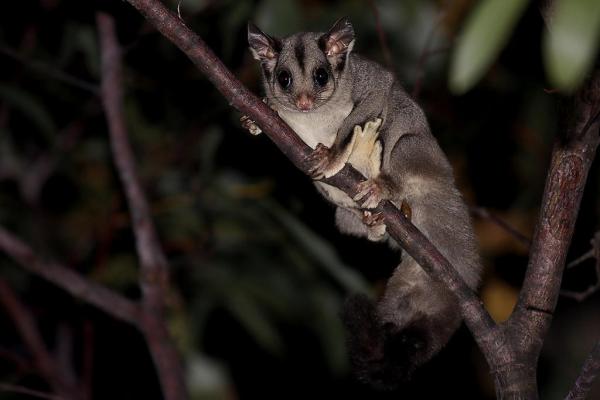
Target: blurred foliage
{"points": [[485, 34], [259, 270], [570, 45]]}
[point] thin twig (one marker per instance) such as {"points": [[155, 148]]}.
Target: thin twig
{"points": [[580, 296], [584, 257], [80, 287], [385, 48], [50, 71], [7, 387], [426, 52], [589, 372], [594, 252], [482, 212], [154, 268], [592, 120], [45, 363]]}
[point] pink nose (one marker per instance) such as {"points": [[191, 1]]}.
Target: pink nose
{"points": [[304, 102]]}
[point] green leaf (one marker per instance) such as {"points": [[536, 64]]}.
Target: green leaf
{"points": [[485, 33], [571, 44]]}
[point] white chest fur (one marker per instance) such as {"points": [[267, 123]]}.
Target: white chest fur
{"points": [[319, 126]]}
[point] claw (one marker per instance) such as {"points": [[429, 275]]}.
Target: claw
{"points": [[363, 189], [319, 160], [250, 125], [375, 223], [370, 129], [373, 219], [369, 193]]}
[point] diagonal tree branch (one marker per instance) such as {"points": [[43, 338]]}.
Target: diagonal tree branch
{"points": [[589, 372], [5, 387], [48, 70], [594, 253], [483, 213], [105, 299], [153, 262], [413, 241]]}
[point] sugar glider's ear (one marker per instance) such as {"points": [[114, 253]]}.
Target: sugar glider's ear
{"points": [[264, 48], [337, 43]]}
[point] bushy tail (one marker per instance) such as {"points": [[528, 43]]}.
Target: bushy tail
{"points": [[385, 353]]}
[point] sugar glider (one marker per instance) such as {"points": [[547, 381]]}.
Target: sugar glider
{"points": [[352, 110]]}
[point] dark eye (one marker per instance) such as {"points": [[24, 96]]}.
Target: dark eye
{"points": [[285, 79], [321, 76]]}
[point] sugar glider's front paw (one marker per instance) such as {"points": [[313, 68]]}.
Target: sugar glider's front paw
{"points": [[371, 192], [250, 125], [369, 133], [325, 162]]}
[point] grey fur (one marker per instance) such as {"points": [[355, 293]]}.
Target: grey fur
{"points": [[414, 169]]}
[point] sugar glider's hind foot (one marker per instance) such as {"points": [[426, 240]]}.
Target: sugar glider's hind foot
{"points": [[375, 223], [372, 192], [381, 354]]}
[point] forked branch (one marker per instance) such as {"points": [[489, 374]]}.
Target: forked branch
{"points": [[154, 269]]}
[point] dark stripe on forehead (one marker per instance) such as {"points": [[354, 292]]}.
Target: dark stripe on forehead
{"points": [[299, 52]]}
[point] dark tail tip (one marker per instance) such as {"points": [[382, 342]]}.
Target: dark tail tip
{"points": [[382, 354]]}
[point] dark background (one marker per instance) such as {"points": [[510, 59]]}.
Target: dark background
{"points": [[259, 271]]}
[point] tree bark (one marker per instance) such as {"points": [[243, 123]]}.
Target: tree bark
{"points": [[154, 268]]}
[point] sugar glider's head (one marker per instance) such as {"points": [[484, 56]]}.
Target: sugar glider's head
{"points": [[302, 71]]}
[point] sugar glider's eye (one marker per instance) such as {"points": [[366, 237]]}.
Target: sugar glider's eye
{"points": [[321, 76], [285, 79]]}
